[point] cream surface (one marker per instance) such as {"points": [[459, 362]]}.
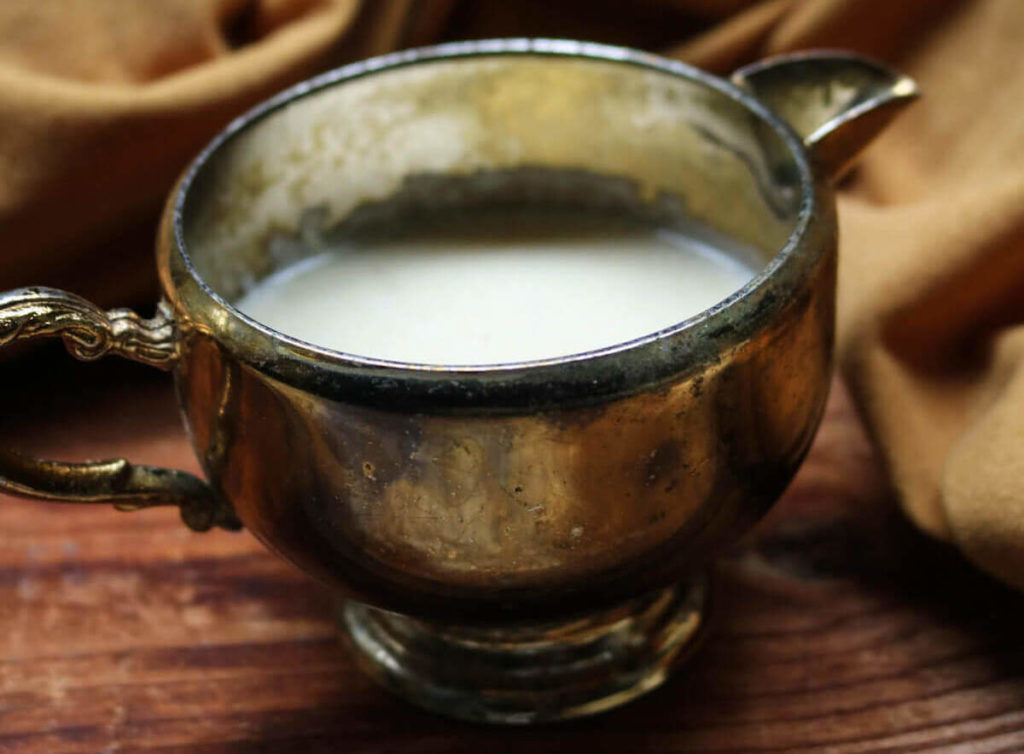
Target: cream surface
{"points": [[497, 287]]}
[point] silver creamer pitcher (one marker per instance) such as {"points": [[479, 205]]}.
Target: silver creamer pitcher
{"points": [[513, 542]]}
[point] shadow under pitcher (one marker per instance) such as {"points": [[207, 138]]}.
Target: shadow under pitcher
{"points": [[516, 542]]}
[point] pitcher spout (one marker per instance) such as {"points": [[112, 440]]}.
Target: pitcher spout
{"points": [[837, 102]]}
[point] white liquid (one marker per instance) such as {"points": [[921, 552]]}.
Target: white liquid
{"points": [[497, 288]]}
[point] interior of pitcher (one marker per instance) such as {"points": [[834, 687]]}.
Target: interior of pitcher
{"points": [[484, 132]]}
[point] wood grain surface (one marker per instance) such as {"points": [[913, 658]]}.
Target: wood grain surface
{"points": [[838, 628]]}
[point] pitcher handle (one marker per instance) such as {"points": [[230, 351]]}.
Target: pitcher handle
{"points": [[836, 101], [89, 333]]}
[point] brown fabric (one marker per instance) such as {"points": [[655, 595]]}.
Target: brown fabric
{"points": [[103, 102]]}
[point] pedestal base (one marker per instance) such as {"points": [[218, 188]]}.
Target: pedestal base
{"points": [[529, 673]]}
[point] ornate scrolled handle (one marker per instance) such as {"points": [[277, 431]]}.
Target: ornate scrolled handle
{"points": [[89, 333]]}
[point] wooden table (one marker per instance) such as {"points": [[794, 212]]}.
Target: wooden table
{"points": [[839, 628]]}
